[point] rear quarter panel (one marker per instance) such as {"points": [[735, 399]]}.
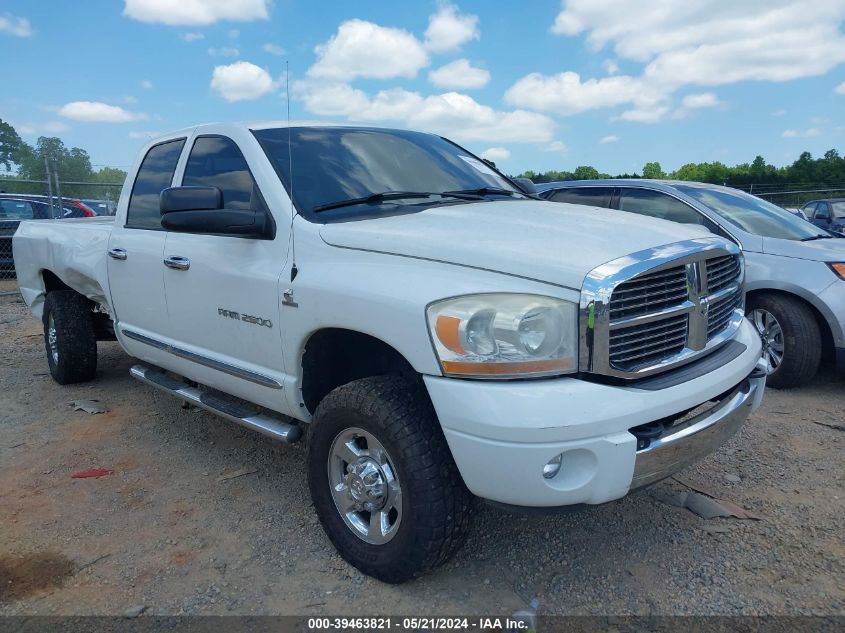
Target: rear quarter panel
{"points": [[74, 250]]}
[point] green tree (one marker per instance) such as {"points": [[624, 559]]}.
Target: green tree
{"points": [[12, 147], [654, 171], [585, 172]]}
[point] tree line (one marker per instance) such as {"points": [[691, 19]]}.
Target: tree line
{"points": [[24, 162], [829, 169]]}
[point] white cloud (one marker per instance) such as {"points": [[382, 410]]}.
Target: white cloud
{"points": [[191, 37], [98, 112], [687, 44], [701, 100], [130, 99], [448, 30], [808, 133], [273, 49], [496, 154], [195, 12], [12, 25], [556, 146], [364, 49], [840, 89], [226, 51], [459, 74], [611, 138], [146, 84], [778, 112], [144, 135], [233, 34], [242, 81], [452, 114], [55, 127], [610, 66]]}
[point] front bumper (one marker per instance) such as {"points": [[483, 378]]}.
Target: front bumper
{"points": [[501, 434]]}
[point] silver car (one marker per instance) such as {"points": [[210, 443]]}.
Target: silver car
{"points": [[795, 272]]}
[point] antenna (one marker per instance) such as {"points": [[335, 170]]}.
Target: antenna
{"points": [[293, 269]]}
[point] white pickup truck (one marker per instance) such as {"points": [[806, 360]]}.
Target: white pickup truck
{"points": [[435, 332]]}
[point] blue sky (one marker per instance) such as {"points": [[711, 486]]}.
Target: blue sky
{"points": [[545, 85]]}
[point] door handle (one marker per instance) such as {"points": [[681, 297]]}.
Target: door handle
{"points": [[177, 263], [117, 253]]}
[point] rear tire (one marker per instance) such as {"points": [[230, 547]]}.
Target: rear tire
{"points": [[69, 337], [789, 331], [391, 418]]}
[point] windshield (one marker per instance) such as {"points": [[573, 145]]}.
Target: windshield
{"points": [[838, 209], [753, 214], [335, 164]]}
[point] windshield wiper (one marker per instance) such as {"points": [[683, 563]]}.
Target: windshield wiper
{"points": [[816, 237], [484, 191], [394, 195]]}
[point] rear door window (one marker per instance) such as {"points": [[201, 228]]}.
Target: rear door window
{"points": [[590, 196], [15, 210], [822, 212], [658, 205], [155, 175]]}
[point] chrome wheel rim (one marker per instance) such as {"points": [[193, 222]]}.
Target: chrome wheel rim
{"points": [[771, 334], [52, 343], [364, 486]]}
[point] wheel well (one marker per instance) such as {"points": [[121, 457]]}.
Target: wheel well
{"points": [[334, 357], [824, 328], [52, 282]]}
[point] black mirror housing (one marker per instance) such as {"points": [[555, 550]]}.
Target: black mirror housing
{"points": [[180, 199], [526, 184], [236, 222]]}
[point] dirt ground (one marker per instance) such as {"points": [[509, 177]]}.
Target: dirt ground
{"points": [[172, 531]]}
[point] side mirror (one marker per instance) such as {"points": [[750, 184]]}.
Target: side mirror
{"points": [[200, 210], [177, 199], [526, 184]]}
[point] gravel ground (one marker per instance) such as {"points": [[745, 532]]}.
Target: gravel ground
{"points": [[167, 531]]}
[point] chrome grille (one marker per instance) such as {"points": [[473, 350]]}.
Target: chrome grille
{"points": [[653, 310], [648, 342], [722, 272], [719, 316], [649, 293]]}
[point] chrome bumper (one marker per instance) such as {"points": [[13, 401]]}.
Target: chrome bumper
{"points": [[701, 435]]}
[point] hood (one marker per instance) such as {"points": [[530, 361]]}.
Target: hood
{"points": [[828, 250], [548, 241]]}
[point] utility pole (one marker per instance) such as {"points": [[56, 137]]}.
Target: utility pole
{"points": [[59, 194], [49, 186]]}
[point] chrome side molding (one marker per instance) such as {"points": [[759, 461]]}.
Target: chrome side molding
{"points": [[232, 370], [226, 407]]}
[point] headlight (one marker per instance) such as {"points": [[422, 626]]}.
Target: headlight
{"points": [[839, 269], [505, 335]]}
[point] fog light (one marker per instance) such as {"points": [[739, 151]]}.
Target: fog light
{"points": [[553, 467]]}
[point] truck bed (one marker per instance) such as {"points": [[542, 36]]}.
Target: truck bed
{"points": [[75, 250]]}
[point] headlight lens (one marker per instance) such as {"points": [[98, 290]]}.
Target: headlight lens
{"points": [[505, 335]]}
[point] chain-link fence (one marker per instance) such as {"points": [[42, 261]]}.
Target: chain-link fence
{"points": [[22, 199], [795, 196]]}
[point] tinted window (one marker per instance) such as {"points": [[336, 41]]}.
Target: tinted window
{"points": [[216, 161], [822, 212], [337, 163], [809, 209], [752, 214], [658, 205], [15, 210], [155, 175], [591, 196]]}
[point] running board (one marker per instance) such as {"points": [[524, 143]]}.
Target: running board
{"points": [[247, 415]]}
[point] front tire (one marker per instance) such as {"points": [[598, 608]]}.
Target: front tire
{"points": [[69, 337], [383, 481], [792, 342]]}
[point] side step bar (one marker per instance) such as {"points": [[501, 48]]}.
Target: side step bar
{"points": [[220, 404]]}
